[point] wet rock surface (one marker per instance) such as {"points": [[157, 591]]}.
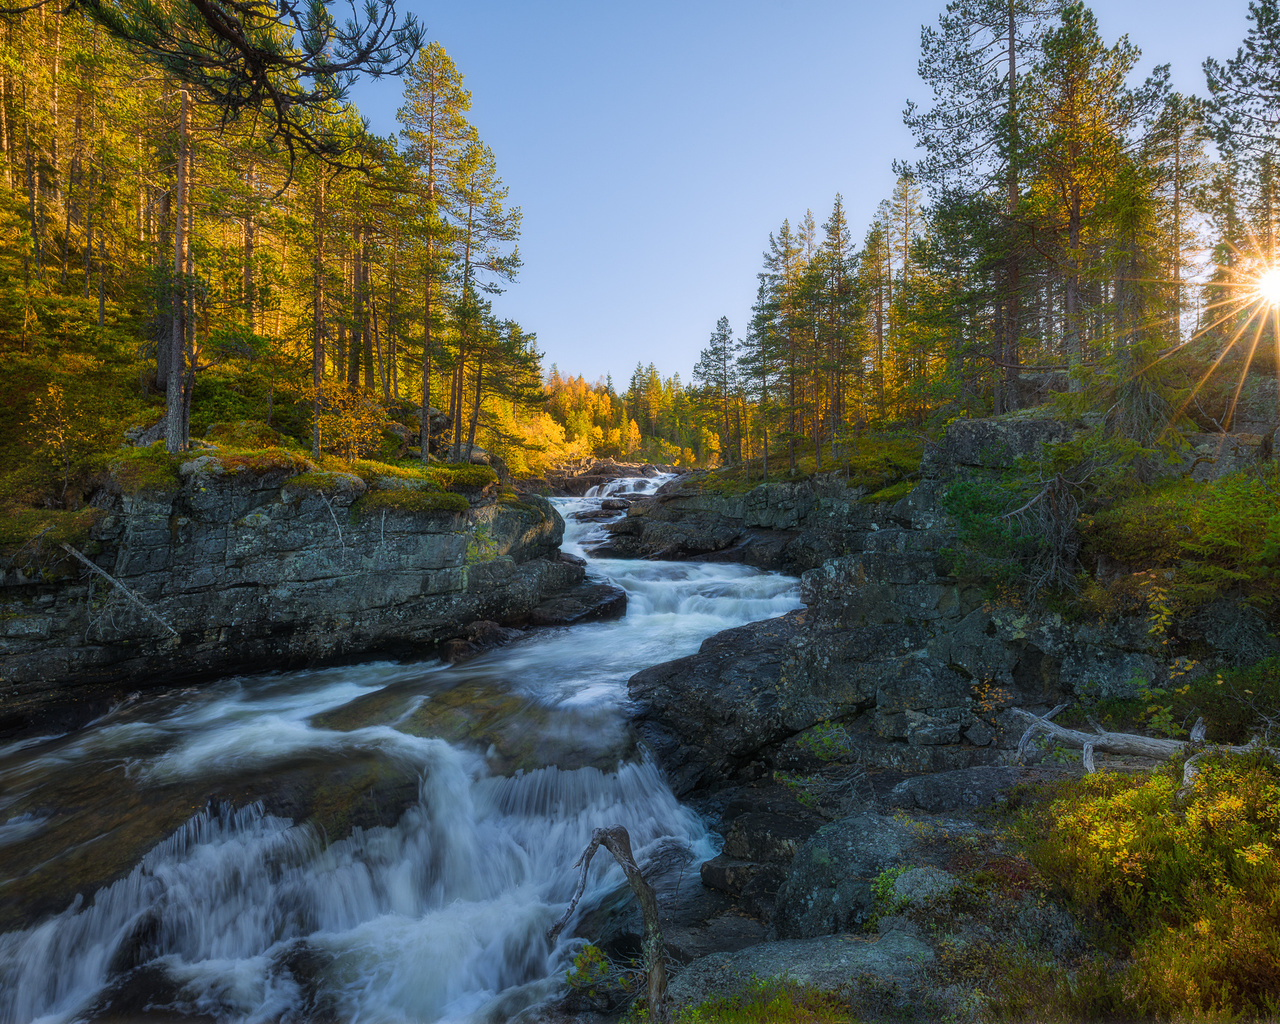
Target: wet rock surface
{"points": [[587, 602], [233, 571]]}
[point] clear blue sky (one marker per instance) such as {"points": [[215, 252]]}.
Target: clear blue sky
{"points": [[653, 146]]}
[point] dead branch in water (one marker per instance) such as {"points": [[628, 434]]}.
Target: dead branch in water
{"points": [[617, 841]]}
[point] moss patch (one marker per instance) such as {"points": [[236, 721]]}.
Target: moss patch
{"points": [[462, 476], [144, 470], [18, 527], [413, 502], [265, 460], [248, 435], [891, 494]]}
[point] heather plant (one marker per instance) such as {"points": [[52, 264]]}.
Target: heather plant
{"points": [[1186, 883]]}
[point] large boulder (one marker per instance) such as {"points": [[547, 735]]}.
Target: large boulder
{"points": [[833, 963], [829, 887]]}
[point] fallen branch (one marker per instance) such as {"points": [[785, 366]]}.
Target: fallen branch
{"points": [[617, 841], [146, 608], [1131, 744]]}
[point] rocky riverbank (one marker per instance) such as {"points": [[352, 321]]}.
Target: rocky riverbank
{"points": [[852, 753], [237, 565]]}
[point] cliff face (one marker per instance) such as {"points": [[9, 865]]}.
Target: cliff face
{"points": [[262, 568]]}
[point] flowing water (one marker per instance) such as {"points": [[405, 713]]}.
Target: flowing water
{"points": [[225, 850]]}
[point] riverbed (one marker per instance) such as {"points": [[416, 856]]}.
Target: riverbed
{"points": [[383, 842]]}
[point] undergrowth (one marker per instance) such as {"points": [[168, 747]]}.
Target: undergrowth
{"points": [[1186, 892]]}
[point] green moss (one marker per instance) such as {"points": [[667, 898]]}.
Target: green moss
{"points": [[266, 460], [771, 1001], [18, 527], [414, 502], [149, 470], [462, 476], [247, 435], [892, 493], [877, 460]]}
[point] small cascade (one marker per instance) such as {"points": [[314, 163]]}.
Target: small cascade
{"points": [[246, 915]]}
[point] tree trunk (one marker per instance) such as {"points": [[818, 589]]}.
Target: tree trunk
{"points": [[475, 410], [618, 842], [317, 317], [174, 429]]}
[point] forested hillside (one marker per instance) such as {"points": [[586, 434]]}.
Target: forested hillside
{"points": [[1065, 228]]}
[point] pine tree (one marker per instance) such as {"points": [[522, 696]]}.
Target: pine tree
{"points": [[715, 371]]}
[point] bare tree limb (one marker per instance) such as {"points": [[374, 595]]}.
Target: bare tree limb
{"points": [[617, 841], [146, 608]]}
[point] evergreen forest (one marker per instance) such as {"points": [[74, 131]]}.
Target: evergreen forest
{"points": [[186, 247]]}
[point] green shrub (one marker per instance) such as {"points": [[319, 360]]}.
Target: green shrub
{"points": [[1191, 891], [462, 476], [1216, 538], [413, 502], [247, 435]]}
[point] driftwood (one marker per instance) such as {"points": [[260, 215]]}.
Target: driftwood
{"points": [[146, 608], [617, 841], [1129, 743]]}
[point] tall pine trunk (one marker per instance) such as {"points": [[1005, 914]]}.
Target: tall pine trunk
{"points": [[174, 432]]}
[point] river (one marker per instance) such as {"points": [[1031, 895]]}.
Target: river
{"points": [[210, 808]]}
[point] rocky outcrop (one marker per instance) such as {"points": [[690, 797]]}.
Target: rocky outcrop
{"points": [[908, 663], [260, 566], [787, 526]]}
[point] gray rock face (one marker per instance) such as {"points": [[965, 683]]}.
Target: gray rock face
{"points": [[831, 963], [780, 525], [946, 791], [829, 887], [264, 569]]}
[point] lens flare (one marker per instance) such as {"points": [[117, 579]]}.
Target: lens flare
{"points": [[1269, 286]]}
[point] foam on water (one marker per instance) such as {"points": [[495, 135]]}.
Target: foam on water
{"points": [[245, 915]]}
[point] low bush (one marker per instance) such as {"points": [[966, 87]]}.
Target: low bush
{"points": [[1188, 889]]}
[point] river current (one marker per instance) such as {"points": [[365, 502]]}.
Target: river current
{"points": [[226, 907]]}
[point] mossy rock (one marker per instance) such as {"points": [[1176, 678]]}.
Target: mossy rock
{"points": [[249, 435], [263, 461], [18, 527], [410, 502], [144, 470]]}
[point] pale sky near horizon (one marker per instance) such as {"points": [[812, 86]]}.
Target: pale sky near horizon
{"points": [[653, 147]]}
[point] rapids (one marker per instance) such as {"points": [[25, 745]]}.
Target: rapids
{"points": [[175, 853]]}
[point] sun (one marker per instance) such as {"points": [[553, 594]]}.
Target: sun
{"points": [[1268, 285]]}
